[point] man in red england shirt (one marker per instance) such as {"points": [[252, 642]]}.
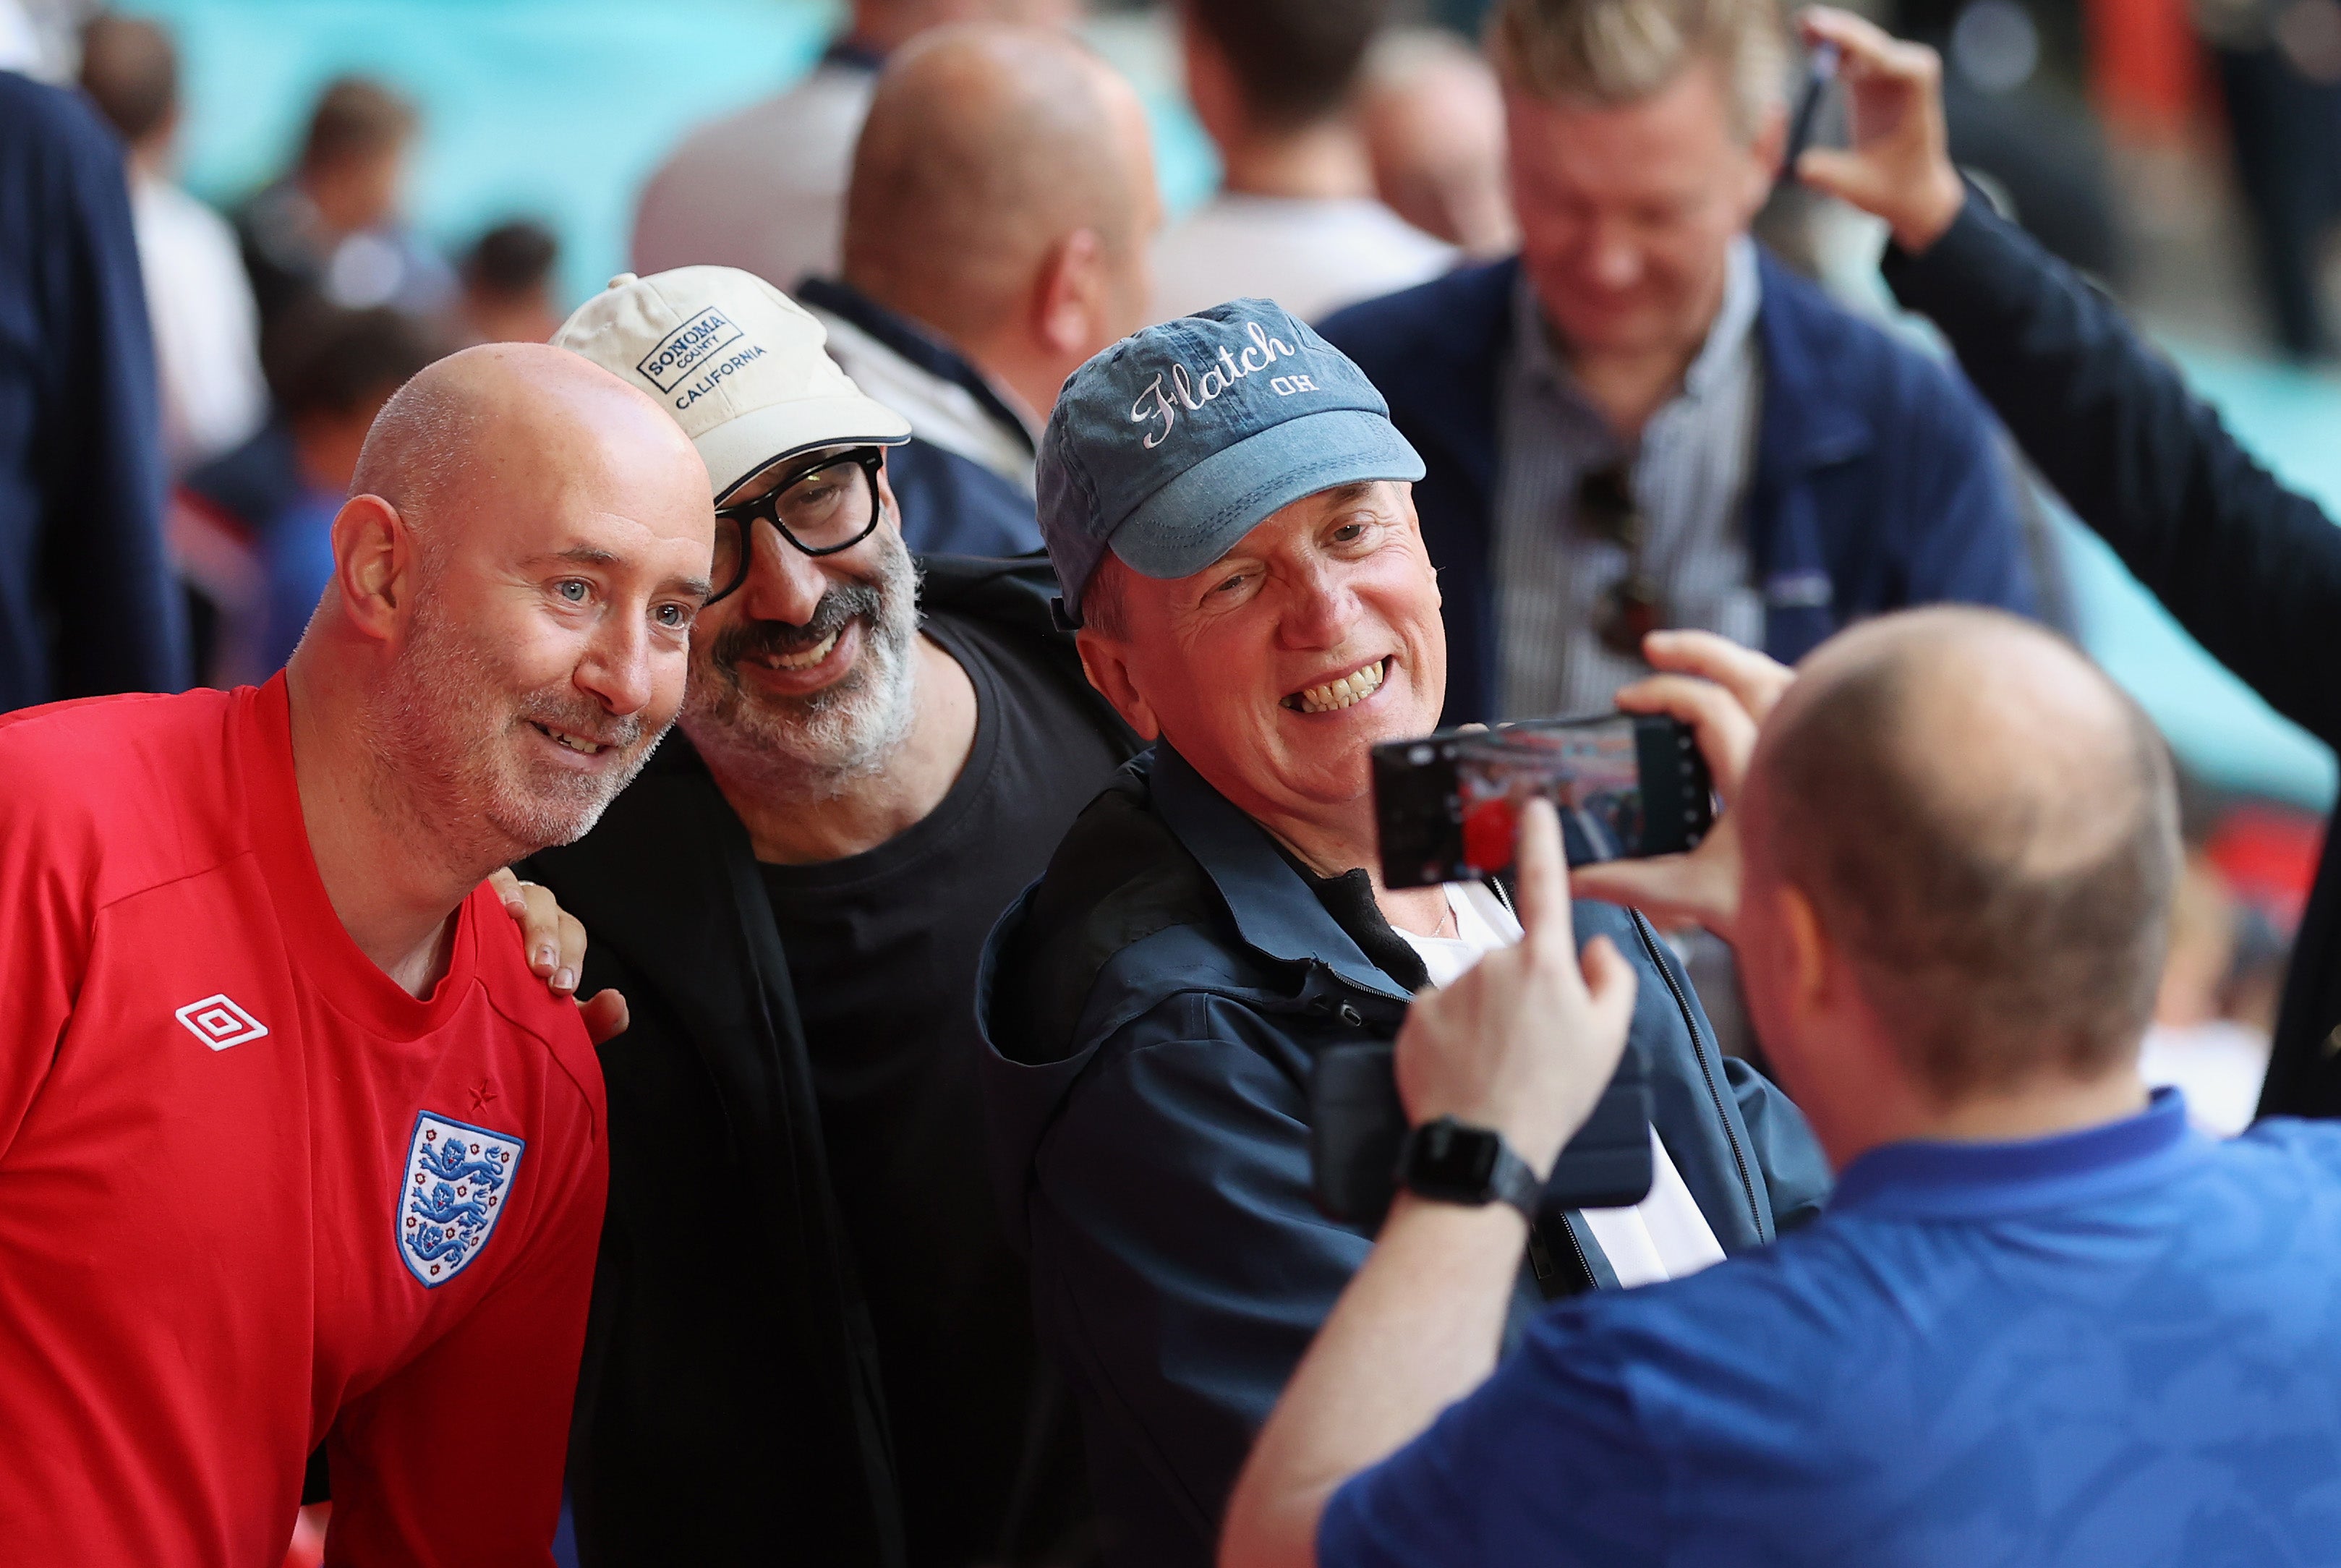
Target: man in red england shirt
{"points": [[294, 1147]]}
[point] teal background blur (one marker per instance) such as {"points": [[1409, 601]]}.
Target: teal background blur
{"points": [[560, 109]]}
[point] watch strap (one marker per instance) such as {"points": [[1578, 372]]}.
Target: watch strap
{"points": [[1509, 1180]]}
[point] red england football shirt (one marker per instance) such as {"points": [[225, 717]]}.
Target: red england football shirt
{"points": [[253, 1196]]}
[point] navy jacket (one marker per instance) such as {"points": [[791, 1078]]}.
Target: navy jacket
{"points": [[1151, 1009], [1877, 483], [2251, 569], [88, 604], [951, 504]]}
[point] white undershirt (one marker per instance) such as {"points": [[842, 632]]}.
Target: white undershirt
{"points": [[1664, 1236]]}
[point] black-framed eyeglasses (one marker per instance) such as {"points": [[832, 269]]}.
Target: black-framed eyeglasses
{"points": [[1633, 607], [826, 506]]}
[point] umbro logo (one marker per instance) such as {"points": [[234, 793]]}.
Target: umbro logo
{"points": [[219, 1023]]}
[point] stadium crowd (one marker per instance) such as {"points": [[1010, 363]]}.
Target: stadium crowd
{"points": [[703, 930]]}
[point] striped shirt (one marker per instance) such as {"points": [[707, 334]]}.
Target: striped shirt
{"points": [[1690, 478]]}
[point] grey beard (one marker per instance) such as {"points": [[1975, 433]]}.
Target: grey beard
{"points": [[816, 747]]}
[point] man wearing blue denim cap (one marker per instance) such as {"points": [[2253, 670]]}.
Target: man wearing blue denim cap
{"points": [[1227, 506]]}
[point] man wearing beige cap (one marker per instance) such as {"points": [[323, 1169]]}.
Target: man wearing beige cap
{"points": [[809, 1338]]}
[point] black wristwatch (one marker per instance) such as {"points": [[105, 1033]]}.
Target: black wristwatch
{"points": [[1454, 1164]]}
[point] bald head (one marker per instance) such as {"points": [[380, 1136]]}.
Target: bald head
{"points": [[986, 146], [507, 633], [525, 422], [1987, 826], [891, 24]]}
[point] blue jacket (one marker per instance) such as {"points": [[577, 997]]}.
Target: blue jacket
{"points": [[1152, 1008], [1877, 483], [88, 602], [951, 504]]}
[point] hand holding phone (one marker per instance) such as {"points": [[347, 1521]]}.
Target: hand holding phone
{"points": [[1722, 692], [1448, 805]]}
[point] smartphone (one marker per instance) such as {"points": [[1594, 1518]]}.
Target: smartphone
{"points": [[1357, 1129], [1820, 70], [1627, 786]]}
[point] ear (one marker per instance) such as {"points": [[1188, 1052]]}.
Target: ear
{"points": [[1069, 296], [374, 563], [1107, 664], [1812, 962]]}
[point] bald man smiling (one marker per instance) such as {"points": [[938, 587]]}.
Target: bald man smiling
{"points": [[294, 1147]]}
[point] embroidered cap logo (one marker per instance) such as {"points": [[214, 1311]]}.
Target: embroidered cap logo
{"points": [[1162, 403]]}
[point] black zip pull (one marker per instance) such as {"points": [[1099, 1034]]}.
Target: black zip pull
{"points": [[1540, 1262]]}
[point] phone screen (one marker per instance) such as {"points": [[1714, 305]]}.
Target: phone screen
{"points": [[1448, 805], [1592, 774]]}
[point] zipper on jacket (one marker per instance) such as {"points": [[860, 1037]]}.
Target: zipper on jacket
{"points": [[1643, 929], [1577, 1250]]}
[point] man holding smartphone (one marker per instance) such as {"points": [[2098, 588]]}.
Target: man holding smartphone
{"points": [[2044, 1322], [1227, 506]]}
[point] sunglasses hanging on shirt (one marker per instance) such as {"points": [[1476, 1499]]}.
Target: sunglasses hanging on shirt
{"points": [[1631, 609]]}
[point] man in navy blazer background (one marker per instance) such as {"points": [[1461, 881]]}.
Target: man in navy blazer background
{"points": [[1644, 420]]}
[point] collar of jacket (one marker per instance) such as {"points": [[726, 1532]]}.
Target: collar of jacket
{"points": [[1811, 419], [1275, 912], [925, 349]]}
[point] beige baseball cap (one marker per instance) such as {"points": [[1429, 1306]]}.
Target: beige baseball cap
{"points": [[739, 364]]}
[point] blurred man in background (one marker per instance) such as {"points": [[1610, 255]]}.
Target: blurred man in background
{"points": [[1643, 421], [87, 601], [825, 1353], [252, 527], [764, 190], [995, 237], [508, 281], [198, 299], [333, 371], [1433, 118], [334, 227], [1274, 83]]}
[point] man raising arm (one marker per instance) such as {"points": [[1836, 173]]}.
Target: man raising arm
{"points": [[2251, 569]]}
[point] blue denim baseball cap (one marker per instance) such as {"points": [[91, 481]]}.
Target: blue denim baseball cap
{"points": [[1175, 443]]}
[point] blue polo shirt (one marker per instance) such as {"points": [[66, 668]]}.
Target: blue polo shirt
{"points": [[2117, 1348]]}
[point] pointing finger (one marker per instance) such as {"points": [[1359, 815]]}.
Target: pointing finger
{"points": [[1543, 881]]}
